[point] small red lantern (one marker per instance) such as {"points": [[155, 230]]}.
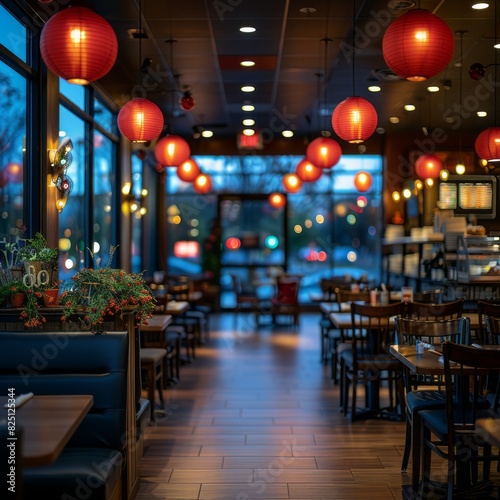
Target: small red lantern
{"points": [[202, 184], [188, 171], [488, 144], [292, 183], [307, 171], [428, 166], [277, 200], [324, 152], [78, 45], [354, 119], [172, 150], [187, 101], [363, 181], [418, 45], [140, 120]]}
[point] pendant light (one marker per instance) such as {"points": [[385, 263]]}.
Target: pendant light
{"points": [[277, 200], [363, 181], [460, 166], [418, 45], [355, 118], [78, 45], [307, 171], [188, 170], [488, 141], [172, 150], [140, 120], [324, 152], [292, 183], [428, 166], [202, 184]]}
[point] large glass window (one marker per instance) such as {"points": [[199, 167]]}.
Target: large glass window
{"points": [[73, 243], [330, 228], [13, 137], [13, 35]]}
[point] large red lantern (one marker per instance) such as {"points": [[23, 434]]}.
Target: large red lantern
{"points": [[172, 150], [202, 184], [188, 170], [488, 144], [354, 119], [292, 183], [428, 166], [418, 45], [307, 171], [324, 152], [78, 45], [277, 200], [140, 120], [363, 181]]}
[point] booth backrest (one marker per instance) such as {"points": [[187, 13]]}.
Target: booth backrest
{"points": [[73, 363]]}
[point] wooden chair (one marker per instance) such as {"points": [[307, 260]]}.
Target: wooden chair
{"points": [[152, 362], [368, 361], [427, 311], [450, 432], [422, 393], [286, 300], [486, 309]]}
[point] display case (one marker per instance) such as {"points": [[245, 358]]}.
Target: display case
{"points": [[478, 259]]}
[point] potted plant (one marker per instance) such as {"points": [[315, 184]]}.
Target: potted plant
{"points": [[101, 292], [37, 256]]}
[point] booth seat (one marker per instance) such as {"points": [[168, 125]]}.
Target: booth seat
{"points": [[48, 363]]}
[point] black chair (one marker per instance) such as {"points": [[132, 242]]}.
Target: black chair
{"points": [[368, 361], [446, 310], [451, 432], [422, 393], [486, 309]]}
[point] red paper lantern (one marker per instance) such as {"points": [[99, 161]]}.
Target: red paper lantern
{"points": [[488, 144], [292, 183], [78, 45], [202, 184], [418, 45], [172, 150], [363, 181], [277, 200], [140, 120], [324, 152], [307, 171], [428, 166], [354, 119], [187, 101], [188, 171]]}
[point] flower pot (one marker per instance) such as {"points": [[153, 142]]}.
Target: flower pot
{"points": [[51, 297], [17, 299]]}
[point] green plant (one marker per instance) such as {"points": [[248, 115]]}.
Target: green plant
{"points": [[36, 249], [30, 315], [101, 292]]}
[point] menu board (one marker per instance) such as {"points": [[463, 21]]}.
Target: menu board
{"points": [[475, 196], [469, 194]]}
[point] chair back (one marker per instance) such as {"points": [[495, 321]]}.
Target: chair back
{"points": [[492, 331], [466, 370], [434, 332], [372, 328], [331, 286], [485, 310], [347, 296], [447, 310], [287, 289]]}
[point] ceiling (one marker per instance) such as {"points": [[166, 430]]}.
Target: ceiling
{"points": [[197, 45]]}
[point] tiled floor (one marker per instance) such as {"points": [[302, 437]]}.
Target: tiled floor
{"points": [[256, 417]]}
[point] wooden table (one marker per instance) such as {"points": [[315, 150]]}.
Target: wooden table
{"points": [[176, 308], [47, 423]]}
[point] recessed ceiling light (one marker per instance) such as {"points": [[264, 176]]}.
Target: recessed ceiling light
{"points": [[207, 133], [247, 29], [394, 119], [248, 107], [496, 46], [307, 10], [480, 5], [247, 64], [248, 122], [433, 88], [287, 133], [247, 88], [482, 114], [409, 107], [325, 133], [248, 131], [374, 88]]}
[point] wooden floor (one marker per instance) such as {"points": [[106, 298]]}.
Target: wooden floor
{"points": [[256, 417]]}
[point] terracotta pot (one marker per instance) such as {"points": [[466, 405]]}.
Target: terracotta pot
{"points": [[51, 297], [17, 299]]}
